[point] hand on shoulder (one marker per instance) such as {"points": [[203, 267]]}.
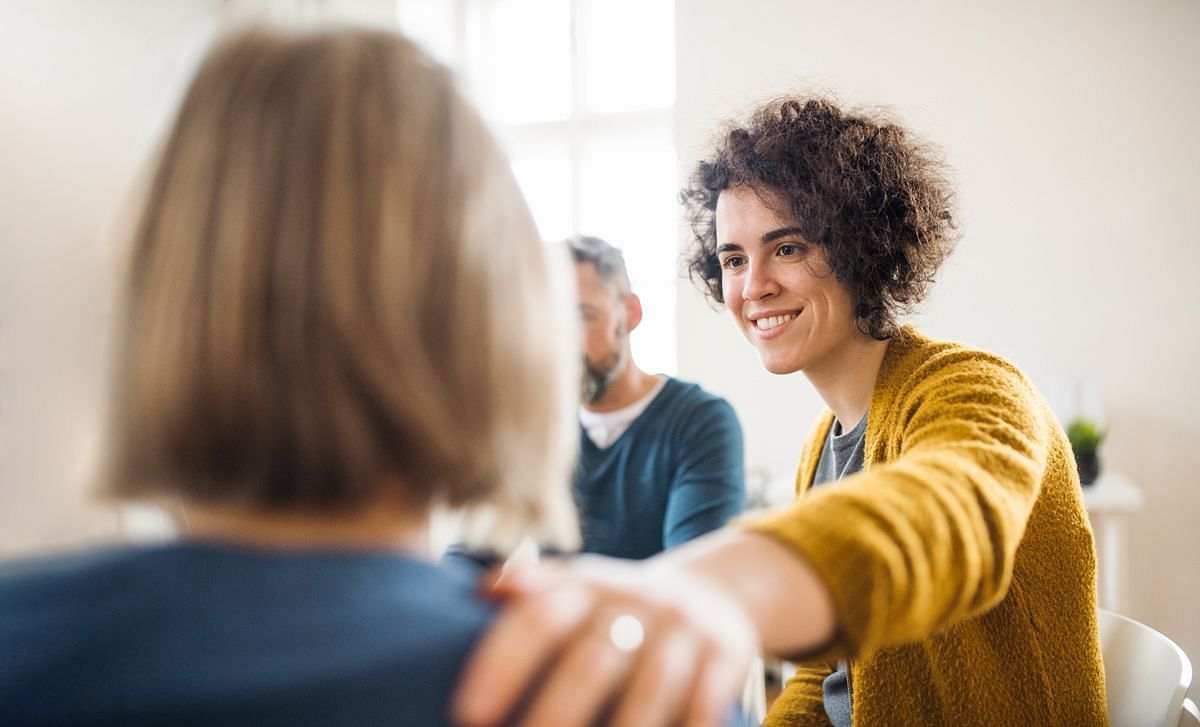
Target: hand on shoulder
{"points": [[637, 643]]}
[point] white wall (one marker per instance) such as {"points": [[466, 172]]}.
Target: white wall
{"points": [[1071, 127], [85, 86], [85, 89]]}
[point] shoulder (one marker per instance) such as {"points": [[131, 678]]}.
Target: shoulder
{"points": [[118, 584], [688, 396], [63, 600], [209, 621], [50, 577], [916, 364], [941, 388], [693, 413]]}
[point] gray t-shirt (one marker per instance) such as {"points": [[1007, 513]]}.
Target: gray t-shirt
{"points": [[841, 457]]}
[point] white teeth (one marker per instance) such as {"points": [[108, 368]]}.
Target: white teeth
{"points": [[766, 324]]}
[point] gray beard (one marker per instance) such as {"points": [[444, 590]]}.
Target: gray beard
{"points": [[597, 377]]}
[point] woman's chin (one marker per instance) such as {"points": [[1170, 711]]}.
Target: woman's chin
{"points": [[779, 365]]}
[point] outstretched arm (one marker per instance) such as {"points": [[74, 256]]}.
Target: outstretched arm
{"points": [[888, 556], [914, 546], [704, 607]]}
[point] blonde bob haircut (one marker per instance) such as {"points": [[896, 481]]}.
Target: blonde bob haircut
{"points": [[336, 293]]}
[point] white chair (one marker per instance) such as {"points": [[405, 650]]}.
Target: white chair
{"points": [[1190, 716], [754, 694], [1147, 674]]}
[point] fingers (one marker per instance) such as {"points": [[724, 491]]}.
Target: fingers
{"points": [[714, 689], [554, 653], [523, 580], [583, 679], [659, 687], [526, 633]]}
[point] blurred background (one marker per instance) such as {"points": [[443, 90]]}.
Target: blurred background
{"points": [[1070, 125]]}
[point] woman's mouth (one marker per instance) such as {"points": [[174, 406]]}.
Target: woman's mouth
{"points": [[772, 322]]}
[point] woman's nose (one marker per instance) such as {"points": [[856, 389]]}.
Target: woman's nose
{"points": [[760, 283]]}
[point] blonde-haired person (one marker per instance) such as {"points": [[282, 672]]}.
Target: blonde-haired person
{"points": [[337, 316]]}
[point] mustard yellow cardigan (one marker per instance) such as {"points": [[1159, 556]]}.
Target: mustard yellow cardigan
{"points": [[960, 560]]}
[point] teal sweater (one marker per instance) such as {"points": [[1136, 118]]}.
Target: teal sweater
{"points": [[202, 634], [675, 474]]}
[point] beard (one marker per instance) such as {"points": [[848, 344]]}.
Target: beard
{"points": [[599, 375]]}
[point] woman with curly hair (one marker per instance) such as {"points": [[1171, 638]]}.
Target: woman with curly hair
{"points": [[938, 566]]}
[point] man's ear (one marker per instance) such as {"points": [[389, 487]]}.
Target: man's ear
{"points": [[633, 311]]}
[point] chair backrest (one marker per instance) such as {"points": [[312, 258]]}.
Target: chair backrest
{"points": [[1190, 717], [754, 693], [1147, 674]]}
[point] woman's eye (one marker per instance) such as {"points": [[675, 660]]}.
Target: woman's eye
{"points": [[789, 249], [732, 262]]}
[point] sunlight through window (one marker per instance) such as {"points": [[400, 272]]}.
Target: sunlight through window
{"points": [[581, 93]]}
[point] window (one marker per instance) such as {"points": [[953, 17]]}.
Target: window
{"points": [[581, 93]]}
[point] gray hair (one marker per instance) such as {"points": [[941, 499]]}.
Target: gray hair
{"points": [[605, 257]]}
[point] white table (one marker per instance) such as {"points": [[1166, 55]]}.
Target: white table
{"points": [[1109, 501]]}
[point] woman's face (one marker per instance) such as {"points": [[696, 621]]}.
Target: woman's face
{"points": [[781, 291]]}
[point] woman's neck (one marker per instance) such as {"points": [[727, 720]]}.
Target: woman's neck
{"points": [[846, 379], [379, 526]]}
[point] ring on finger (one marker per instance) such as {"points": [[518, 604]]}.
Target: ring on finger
{"points": [[626, 632]]}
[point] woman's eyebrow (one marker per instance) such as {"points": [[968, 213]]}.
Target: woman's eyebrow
{"points": [[767, 238], [781, 232]]}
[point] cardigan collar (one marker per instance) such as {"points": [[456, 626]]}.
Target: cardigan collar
{"points": [[899, 361]]}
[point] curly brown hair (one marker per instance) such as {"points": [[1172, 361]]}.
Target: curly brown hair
{"points": [[876, 199]]}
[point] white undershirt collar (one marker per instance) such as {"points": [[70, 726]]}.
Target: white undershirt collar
{"points": [[605, 428]]}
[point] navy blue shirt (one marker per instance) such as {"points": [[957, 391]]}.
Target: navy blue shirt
{"points": [[203, 634], [676, 473]]}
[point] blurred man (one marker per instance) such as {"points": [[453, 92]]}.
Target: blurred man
{"points": [[660, 459]]}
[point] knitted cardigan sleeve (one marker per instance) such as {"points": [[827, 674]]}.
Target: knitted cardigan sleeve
{"points": [[927, 534], [802, 701]]}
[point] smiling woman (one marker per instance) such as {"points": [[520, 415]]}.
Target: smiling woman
{"points": [[874, 198], [937, 567], [818, 229], [780, 289]]}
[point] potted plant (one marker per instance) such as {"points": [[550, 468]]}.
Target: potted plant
{"points": [[1086, 436]]}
